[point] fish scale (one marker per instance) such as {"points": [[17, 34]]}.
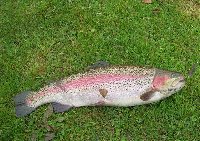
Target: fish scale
{"points": [[109, 86]]}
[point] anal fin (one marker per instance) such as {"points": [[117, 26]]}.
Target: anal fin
{"points": [[59, 108]]}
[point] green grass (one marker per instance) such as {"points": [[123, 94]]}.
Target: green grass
{"points": [[46, 41]]}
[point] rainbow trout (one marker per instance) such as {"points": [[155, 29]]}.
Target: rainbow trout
{"points": [[105, 86]]}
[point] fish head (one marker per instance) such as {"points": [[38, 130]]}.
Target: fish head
{"points": [[167, 82]]}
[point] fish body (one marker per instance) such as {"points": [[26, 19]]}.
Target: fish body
{"points": [[107, 86]]}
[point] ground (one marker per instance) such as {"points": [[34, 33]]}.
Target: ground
{"points": [[42, 41]]}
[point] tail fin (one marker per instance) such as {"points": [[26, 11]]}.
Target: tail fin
{"points": [[22, 109]]}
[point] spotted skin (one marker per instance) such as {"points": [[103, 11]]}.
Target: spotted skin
{"points": [[109, 86]]}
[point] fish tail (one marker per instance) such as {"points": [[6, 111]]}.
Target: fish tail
{"points": [[22, 109]]}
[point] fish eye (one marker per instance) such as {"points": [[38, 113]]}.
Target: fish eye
{"points": [[174, 75]]}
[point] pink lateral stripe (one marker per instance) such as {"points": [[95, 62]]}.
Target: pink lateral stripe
{"points": [[82, 82], [92, 80]]}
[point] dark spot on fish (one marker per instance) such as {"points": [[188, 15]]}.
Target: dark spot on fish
{"points": [[103, 92], [148, 95]]}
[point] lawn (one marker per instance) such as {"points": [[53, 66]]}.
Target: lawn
{"points": [[42, 41]]}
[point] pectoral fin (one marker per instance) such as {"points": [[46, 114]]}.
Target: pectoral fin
{"points": [[147, 96]]}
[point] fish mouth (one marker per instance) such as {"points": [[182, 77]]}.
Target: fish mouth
{"points": [[182, 80], [177, 84], [178, 81], [180, 84]]}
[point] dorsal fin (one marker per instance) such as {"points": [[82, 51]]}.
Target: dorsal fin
{"points": [[99, 64]]}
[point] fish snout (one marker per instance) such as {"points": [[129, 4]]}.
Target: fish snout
{"points": [[182, 79], [177, 81], [178, 77]]}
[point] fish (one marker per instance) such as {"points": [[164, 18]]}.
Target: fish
{"points": [[104, 85]]}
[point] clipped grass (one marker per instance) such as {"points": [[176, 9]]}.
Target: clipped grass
{"points": [[45, 41]]}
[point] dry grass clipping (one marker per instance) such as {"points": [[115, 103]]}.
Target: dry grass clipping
{"points": [[190, 8]]}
